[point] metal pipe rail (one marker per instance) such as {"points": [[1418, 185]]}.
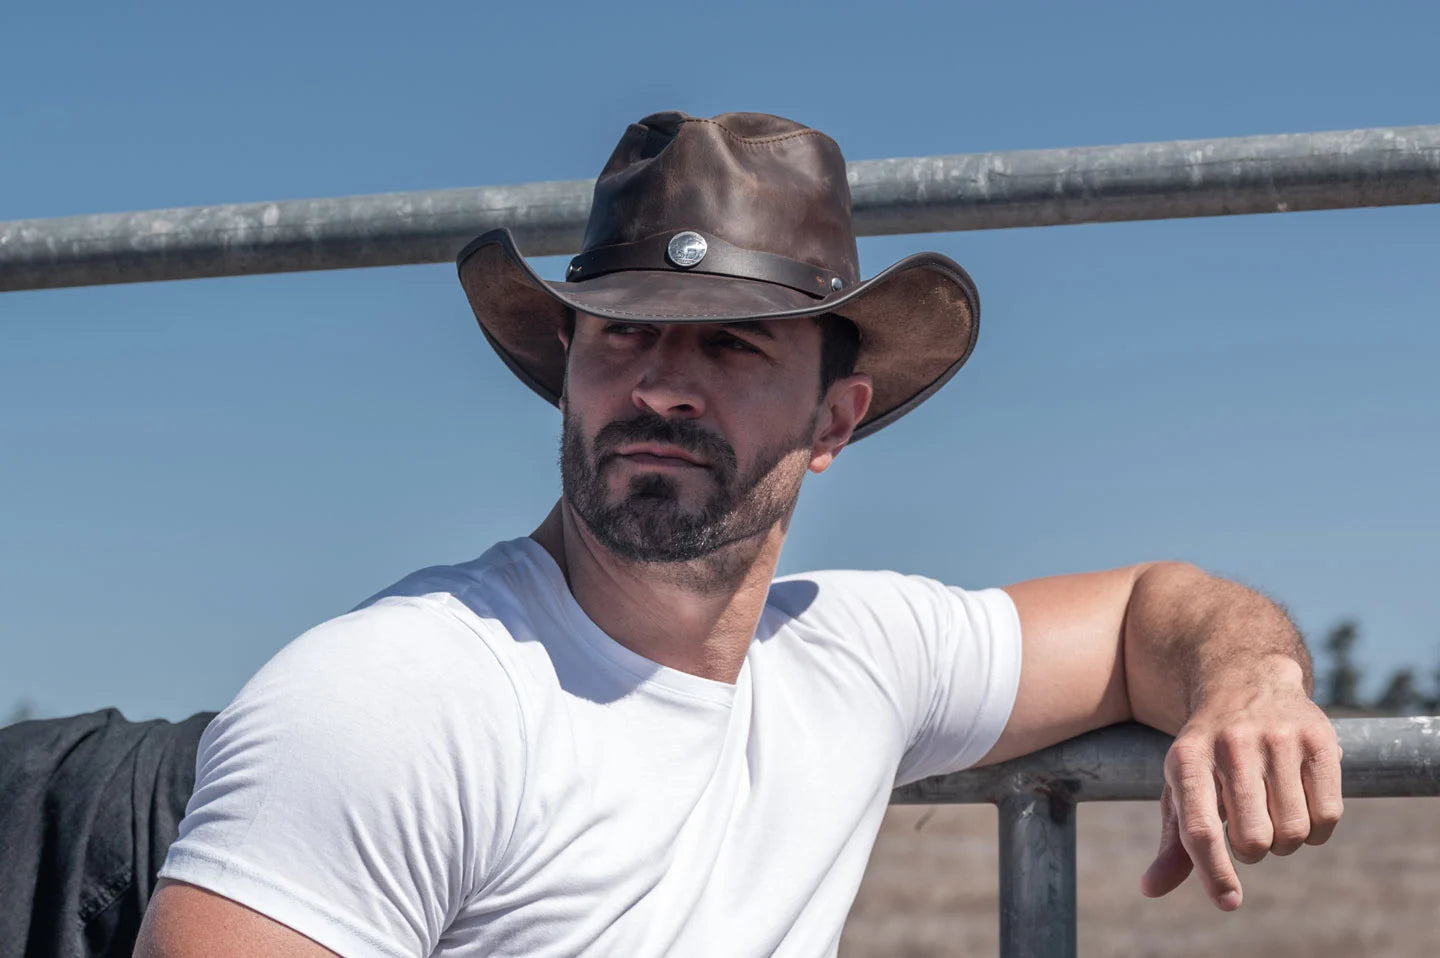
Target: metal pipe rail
{"points": [[1037, 794], [1253, 174]]}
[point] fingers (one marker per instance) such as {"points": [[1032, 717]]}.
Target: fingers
{"points": [[1171, 865], [1286, 800], [1269, 785], [1269, 792], [1247, 815], [1190, 774], [1266, 786], [1320, 777]]}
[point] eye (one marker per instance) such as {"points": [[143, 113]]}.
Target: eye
{"points": [[627, 335], [733, 343]]}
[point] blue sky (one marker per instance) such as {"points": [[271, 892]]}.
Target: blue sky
{"points": [[195, 472]]}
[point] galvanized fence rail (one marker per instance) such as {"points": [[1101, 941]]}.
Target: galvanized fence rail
{"points": [[1036, 795], [1137, 181]]}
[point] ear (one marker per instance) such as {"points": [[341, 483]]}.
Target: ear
{"points": [[844, 406], [564, 338]]}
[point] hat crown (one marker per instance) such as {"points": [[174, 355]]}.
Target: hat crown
{"points": [[758, 181]]}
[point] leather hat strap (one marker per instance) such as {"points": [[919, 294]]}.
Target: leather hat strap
{"points": [[694, 251]]}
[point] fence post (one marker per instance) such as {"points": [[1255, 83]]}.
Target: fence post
{"points": [[1037, 873]]}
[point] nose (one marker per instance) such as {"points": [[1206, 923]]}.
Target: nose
{"points": [[669, 385]]}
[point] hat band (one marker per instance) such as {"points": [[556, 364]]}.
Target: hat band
{"points": [[715, 256]]}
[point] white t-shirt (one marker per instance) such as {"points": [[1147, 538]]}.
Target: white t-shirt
{"points": [[467, 765]]}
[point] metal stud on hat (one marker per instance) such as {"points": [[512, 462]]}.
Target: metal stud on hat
{"points": [[686, 249]]}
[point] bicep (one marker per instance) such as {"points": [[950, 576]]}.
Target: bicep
{"points": [[184, 921], [1072, 673]]}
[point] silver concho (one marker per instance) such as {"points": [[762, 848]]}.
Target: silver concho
{"points": [[686, 249]]}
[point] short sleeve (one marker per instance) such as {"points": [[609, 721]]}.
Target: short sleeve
{"points": [[963, 670], [363, 786], [946, 660]]}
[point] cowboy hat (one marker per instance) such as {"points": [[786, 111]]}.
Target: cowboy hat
{"points": [[742, 216]]}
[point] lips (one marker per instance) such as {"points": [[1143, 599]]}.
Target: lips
{"points": [[659, 454]]}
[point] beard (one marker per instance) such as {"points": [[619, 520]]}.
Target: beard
{"points": [[649, 523]]}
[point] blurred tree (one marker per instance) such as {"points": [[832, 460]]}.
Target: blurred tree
{"points": [[22, 712], [1344, 678], [1401, 696]]}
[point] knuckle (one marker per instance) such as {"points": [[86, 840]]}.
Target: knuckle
{"points": [[1233, 741], [1200, 832], [1187, 753], [1252, 842], [1222, 875], [1283, 730], [1292, 831], [1280, 739], [1192, 778], [1321, 745], [1327, 812]]}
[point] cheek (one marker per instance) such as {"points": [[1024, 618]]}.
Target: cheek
{"points": [[780, 417], [590, 384], [787, 400]]}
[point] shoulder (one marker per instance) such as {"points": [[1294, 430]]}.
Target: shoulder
{"points": [[848, 593], [398, 682], [892, 616], [365, 782], [501, 572], [441, 617], [805, 592], [424, 658], [395, 641]]}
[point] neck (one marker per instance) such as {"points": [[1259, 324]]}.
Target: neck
{"points": [[697, 617]]}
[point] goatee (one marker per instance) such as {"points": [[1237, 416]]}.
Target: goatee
{"points": [[648, 523]]}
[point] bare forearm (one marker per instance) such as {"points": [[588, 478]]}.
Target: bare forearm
{"points": [[1218, 666], [1190, 637]]}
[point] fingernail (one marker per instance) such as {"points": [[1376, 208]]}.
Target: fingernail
{"points": [[1230, 900]]}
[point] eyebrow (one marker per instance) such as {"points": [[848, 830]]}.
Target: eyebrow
{"points": [[757, 326]]}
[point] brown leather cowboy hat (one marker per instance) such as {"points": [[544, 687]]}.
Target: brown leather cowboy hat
{"points": [[738, 217]]}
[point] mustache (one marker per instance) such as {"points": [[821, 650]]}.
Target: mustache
{"points": [[681, 433]]}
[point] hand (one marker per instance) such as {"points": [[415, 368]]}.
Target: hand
{"points": [[1260, 766]]}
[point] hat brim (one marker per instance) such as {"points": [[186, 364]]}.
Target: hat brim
{"points": [[918, 319]]}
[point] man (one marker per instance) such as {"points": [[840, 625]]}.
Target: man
{"points": [[621, 735]]}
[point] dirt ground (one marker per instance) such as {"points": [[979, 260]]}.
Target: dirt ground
{"points": [[1373, 890]]}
